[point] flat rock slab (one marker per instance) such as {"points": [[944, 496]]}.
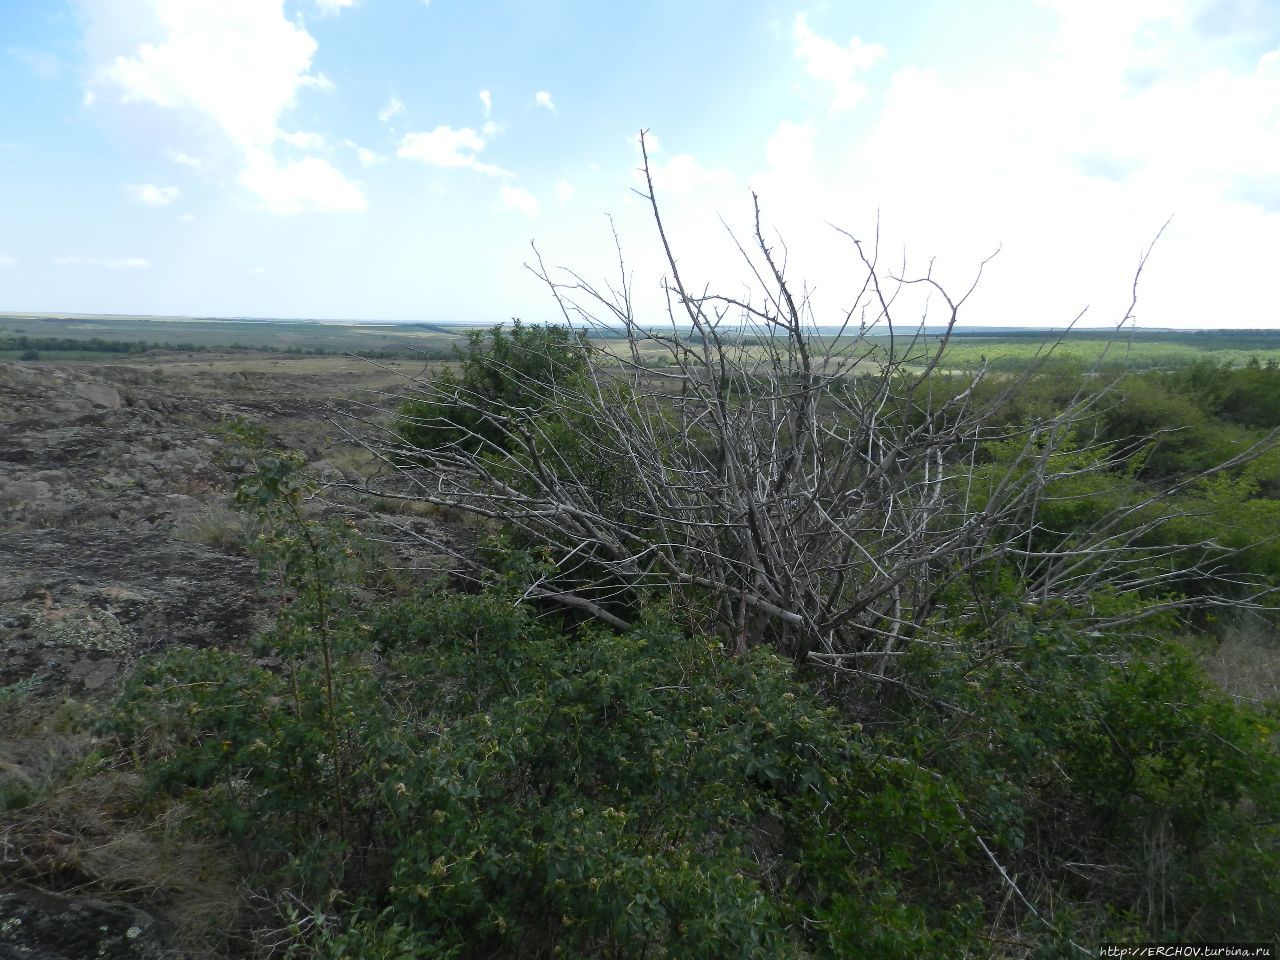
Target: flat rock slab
{"points": [[78, 606], [35, 925], [104, 476]]}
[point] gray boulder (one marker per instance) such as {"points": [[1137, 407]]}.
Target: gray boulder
{"points": [[99, 394]]}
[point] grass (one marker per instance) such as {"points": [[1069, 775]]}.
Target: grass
{"points": [[55, 356], [75, 819], [1246, 661], [216, 526], [87, 829], [414, 508]]}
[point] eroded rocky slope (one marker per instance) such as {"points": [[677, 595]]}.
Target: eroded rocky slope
{"points": [[117, 539], [107, 487]]}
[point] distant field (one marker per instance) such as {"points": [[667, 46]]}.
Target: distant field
{"points": [[94, 337], [1140, 350], [1015, 349], [275, 336]]}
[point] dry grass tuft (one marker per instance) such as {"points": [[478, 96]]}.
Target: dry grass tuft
{"points": [[216, 526], [82, 825], [1246, 663], [414, 508]]}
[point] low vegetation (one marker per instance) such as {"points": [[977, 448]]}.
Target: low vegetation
{"points": [[451, 773]]}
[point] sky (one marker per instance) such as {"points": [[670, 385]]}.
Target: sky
{"points": [[397, 159]]}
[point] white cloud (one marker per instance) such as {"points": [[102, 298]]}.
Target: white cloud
{"points": [[792, 184], [184, 159], [298, 186], [564, 191], [491, 128], [331, 8], [486, 100], [519, 199], [683, 174], [1121, 117], [258, 271], [8, 262], [393, 108], [446, 147], [122, 263], [543, 99], [790, 149], [318, 81], [836, 66], [238, 64], [188, 218], [303, 140], [152, 195], [443, 147], [366, 156]]}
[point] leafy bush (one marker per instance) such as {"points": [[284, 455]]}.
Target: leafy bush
{"points": [[1247, 395], [1118, 777], [507, 784], [503, 787], [499, 370]]}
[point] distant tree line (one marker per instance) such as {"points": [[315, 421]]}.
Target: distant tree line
{"points": [[1201, 339], [33, 345]]}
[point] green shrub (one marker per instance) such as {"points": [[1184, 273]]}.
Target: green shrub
{"points": [[500, 369], [502, 785], [508, 784], [1074, 751]]}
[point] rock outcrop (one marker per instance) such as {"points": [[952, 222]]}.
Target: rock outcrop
{"points": [[37, 925], [104, 487]]}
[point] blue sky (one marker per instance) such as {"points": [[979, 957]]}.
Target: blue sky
{"points": [[393, 159]]}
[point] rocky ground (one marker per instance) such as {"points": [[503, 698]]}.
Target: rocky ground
{"points": [[109, 480], [117, 539]]}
